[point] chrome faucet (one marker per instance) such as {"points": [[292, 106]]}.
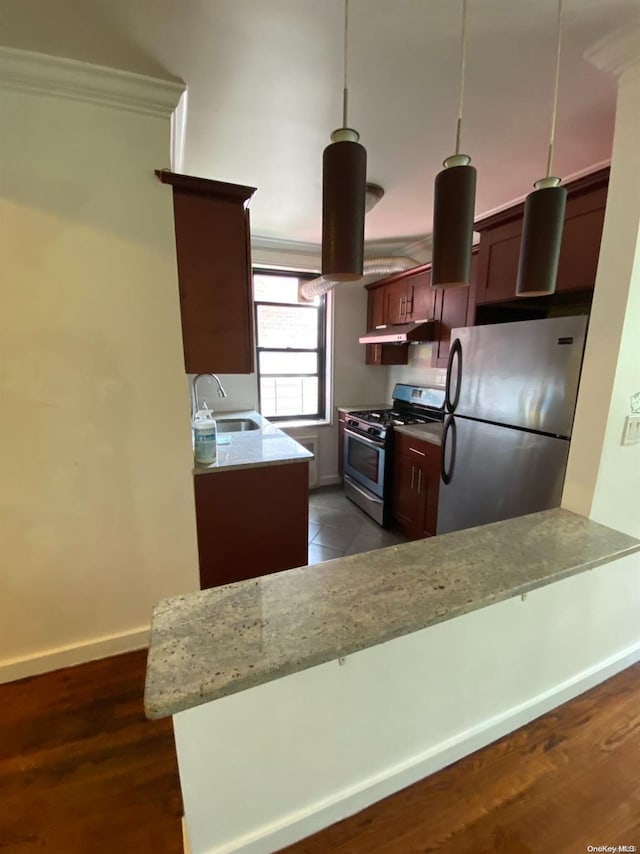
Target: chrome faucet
{"points": [[221, 391]]}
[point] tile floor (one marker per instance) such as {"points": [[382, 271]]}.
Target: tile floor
{"points": [[337, 527]]}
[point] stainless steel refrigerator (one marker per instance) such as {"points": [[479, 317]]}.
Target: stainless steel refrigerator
{"points": [[511, 397]]}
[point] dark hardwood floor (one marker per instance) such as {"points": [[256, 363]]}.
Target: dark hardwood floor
{"points": [[83, 772]]}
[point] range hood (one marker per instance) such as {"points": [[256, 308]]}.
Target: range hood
{"points": [[422, 331]]}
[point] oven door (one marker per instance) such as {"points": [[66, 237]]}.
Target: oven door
{"points": [[364, 461]]}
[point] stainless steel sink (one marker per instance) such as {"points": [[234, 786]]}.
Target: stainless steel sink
{"points": [[236, 425]]}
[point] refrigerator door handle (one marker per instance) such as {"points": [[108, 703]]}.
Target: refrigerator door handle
{"points": [[455, 351], [447, 474]]}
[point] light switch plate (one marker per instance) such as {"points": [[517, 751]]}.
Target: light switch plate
{"points": [[631, 432]]}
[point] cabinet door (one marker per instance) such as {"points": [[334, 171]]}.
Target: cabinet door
{"points": [[430, 485], [271, 502], [214, 274], [406, 498], [376, 303], [498, 262], [341, 423], [416, 485], [386, 354], [396, 309], [581, 241], [455, 307], [423, 301]]}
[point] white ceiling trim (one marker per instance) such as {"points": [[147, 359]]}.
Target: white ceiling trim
{"points": [[581, 173], [617, 52], [41, 74]]}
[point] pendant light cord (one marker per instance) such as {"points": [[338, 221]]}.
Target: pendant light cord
{"points": [[463, 64], [345, 91], [555, 91]]}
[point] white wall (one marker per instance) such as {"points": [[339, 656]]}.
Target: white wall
{"points": [[603, 476], [96, 504]]}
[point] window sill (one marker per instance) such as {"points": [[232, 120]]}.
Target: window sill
{"points": [[297, 424]]}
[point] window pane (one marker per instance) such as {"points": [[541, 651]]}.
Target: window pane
{"points": [[278, 289], [281, 327], [288, 363], [281, 396]]}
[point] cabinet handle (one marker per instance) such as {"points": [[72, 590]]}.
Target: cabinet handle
{"points": [[422, 453], [413, 474], [419, 481]]}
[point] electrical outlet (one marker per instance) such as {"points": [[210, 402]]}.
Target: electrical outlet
{"points": [[631, 432]]}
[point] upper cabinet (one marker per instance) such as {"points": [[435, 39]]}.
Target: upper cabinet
{"points": [[454, 307], [214, 273], [409, 297], [501, 235]]}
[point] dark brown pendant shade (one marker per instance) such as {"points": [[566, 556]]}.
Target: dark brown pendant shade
{"points": [[453, 210], [543, 225], [344, 176]]}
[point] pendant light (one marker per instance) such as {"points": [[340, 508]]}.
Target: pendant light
{"points": [[454, 203], [544, 210], [344, 175]]}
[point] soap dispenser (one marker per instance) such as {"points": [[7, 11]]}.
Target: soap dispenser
{"points": [[204, 428]]}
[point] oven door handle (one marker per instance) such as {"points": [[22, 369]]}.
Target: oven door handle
{"points": [[376, 444]]}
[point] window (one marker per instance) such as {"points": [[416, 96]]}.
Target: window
{"points": [[290, 339]]}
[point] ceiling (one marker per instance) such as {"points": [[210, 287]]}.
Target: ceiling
{"points": [[265, 91]]}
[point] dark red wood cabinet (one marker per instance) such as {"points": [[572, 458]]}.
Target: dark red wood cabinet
{"points": [[341, 425], [403, 298], [214, 273], [251, 521], [455, 307], [416, 482], [501, 234]]}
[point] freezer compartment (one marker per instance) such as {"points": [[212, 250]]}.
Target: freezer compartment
{"points": [[497, 473], [522, 374]]}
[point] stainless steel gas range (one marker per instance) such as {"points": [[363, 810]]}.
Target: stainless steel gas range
{"points": [[368, 445]]}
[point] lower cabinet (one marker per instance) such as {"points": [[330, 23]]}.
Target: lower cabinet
{"points": [[341, 424], [416, 480], [251, 521]]}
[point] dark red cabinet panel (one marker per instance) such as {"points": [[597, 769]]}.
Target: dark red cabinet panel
{"points": [[214, 273], [251, 521]]}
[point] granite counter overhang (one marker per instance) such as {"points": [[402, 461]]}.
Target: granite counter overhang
{"points": [[216, 642], [267, 446]]}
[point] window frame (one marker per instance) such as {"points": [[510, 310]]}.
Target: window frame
{"points": [[321, 349]]}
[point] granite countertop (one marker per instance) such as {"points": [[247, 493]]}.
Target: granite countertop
{"points": [[216, 642], [427, 432], [267, 446]]}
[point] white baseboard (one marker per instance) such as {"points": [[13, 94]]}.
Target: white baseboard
{"points": [[67, 656], [296, 826], [329, 480]]}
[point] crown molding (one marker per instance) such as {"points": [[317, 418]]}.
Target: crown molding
{"points": [[41, 74], [617, 52], [513, 204], [291, 247]]}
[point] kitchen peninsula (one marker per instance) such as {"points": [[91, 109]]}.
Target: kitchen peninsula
{"points": [[252, 503], [447, 644]]}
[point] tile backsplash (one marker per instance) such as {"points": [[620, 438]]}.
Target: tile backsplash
{"points": [[418, 371]]}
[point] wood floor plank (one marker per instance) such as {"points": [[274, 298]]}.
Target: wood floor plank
{"points": [[81, 769], [83, 772]]}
